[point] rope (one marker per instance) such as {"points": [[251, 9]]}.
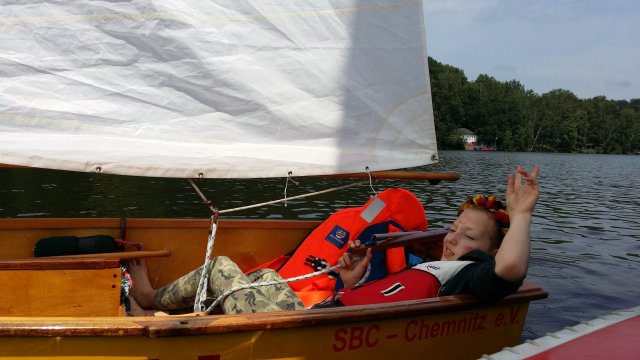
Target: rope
{"points": [[204, 199], [365, 276], [375, 193], [292, 197], [216, 211], [286, 185], [201, 293]]}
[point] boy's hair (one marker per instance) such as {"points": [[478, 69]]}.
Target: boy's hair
{"points": [[494, 206]]}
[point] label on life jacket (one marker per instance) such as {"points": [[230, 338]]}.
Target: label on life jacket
{"points": [[392, 210]]}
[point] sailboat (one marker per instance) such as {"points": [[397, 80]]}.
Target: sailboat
{"points": [[198, 89]]}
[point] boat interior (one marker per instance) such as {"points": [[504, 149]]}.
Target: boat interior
{"points": [[88, 285], [170, 248]]}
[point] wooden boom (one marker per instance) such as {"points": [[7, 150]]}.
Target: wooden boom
{"points": [[431, 176], [434, 176]]}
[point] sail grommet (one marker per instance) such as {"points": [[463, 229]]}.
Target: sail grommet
{"points": [[98, 169], [289, 178], [200, 175]]}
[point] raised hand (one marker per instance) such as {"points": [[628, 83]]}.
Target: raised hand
{"points": [[512, 259], [521, 196]]}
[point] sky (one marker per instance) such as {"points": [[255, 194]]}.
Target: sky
{"points": [[589, 47]]}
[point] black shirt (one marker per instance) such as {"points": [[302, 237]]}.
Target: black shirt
{"points": [[479, 278]]}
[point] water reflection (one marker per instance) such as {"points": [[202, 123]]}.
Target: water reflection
{"points": [[586, 231]]}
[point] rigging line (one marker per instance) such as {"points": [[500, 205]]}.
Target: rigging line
{"points": [[201, 292], [289, 174], [365, 276], [204, 199], [292, 197], [219, 212], [375, 193]]}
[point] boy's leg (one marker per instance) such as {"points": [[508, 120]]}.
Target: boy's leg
{"points": [[180, 293], [223, 275], [226, 275], [280, 293]]}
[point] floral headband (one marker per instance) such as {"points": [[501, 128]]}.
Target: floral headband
{"points": [[493, 205]]}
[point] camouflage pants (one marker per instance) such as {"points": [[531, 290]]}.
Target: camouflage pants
{"points": [[224, 274]]}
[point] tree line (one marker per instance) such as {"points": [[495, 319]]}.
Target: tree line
{"points": [[512, 118]]}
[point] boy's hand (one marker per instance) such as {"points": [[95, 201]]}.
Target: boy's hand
{"points": [[353, 267], [522, 197]]}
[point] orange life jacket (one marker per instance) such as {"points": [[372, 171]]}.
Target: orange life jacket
{"points": [[390, 211]]}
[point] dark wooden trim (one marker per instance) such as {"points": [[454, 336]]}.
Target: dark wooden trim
{"points": [[58, 264], [58, 223], [123, 255], [223, 223], [78, 223]]}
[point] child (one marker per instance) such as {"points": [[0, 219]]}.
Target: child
{"points": [[475, 259]]}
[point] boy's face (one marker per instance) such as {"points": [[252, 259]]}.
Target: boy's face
{"points": [[473, 229]]}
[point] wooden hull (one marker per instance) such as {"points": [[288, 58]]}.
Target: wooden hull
{"points": [[455, 326]]}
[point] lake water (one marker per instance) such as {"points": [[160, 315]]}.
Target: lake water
{"points": [[586, 231]]}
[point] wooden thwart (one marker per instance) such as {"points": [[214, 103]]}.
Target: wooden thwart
{"points": [[123, 255], [58, 264]]}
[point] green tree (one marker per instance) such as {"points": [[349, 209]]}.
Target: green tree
{"points": [[521, 120], [446, 90]]}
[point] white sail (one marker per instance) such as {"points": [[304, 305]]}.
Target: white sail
{"points": [[221, 89]]}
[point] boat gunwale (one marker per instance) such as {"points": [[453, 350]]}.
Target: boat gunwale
{"points": [[61, 223], [185, 325]]}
